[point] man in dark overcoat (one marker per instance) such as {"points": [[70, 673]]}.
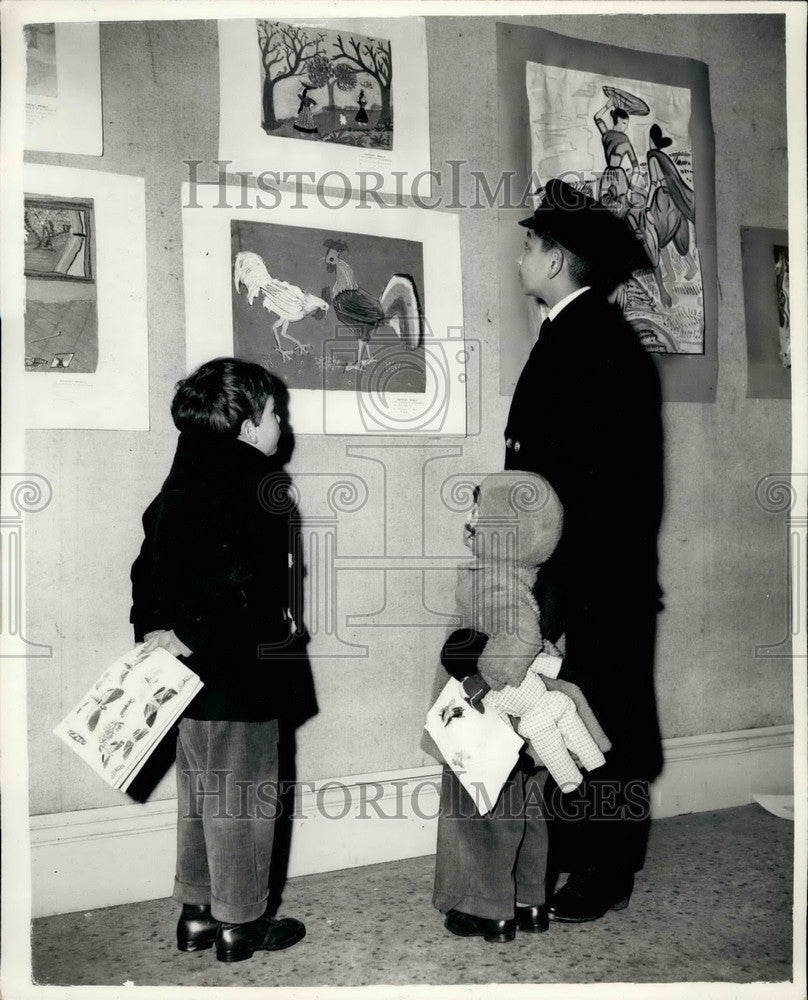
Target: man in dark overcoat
{"points": [[586, 415]]}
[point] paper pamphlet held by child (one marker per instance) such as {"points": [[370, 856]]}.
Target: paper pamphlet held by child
{"points": [[481, 748], [126, 713]]}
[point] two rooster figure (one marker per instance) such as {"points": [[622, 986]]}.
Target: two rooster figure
{"points": [[397, 306]]}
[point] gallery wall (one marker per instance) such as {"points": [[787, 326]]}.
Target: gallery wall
{"points": [[723, 560]]}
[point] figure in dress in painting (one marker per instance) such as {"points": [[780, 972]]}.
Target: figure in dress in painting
{"points": [[305, 117], [361, 114], [670, 207]]}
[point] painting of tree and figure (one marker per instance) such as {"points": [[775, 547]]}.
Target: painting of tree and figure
{"points": [[325, 85], [627, 143], [329, 310]]}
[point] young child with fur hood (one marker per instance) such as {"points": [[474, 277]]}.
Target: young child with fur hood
{"points": [[498, 651]]}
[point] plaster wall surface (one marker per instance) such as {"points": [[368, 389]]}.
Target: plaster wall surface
{"points": [[723, 558]]}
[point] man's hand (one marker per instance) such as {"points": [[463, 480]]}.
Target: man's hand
{"points": [[167, 640]]}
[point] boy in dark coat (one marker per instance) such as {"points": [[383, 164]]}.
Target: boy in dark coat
{"points": [[586, 415], [211, 585]]}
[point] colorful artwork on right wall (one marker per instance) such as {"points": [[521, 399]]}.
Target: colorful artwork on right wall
{"points": [[626, 143], [764, 257], [632, 129]]}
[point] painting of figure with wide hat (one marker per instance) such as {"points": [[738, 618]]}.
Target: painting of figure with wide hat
{"points": [[627, 144]]}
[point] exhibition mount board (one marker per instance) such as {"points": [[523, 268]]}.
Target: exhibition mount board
{"points": [[92, 302], [63, 111], [684, 378], [290, 97], [360, 313]]}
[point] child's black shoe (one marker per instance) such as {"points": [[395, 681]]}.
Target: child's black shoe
{"points": [[532, 919], [196, 928]]}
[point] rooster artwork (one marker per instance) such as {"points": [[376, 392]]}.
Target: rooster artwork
{"points": [[288, 302], [397, 307]]}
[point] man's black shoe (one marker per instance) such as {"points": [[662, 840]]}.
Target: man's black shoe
{"points": [[235, 942], [196, 928], [532, 919], [467, 925], [588, 894]]}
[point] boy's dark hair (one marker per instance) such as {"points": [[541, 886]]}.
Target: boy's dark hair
{"points": [[581, 271], [221, 394], [618, 115]]}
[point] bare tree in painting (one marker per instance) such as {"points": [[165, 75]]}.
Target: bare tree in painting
{"points": [[372, 57], [286, 51], [325, 72]]}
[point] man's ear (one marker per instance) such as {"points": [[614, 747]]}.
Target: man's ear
{"points": [[556, 261], [248, 430]]}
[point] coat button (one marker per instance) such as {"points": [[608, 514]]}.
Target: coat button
{"points": [[516, 446], [508, 442]]}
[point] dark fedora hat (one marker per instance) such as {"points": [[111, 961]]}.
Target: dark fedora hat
{"points": [[588, 229]]}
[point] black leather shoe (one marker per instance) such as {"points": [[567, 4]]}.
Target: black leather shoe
{"points": [[467, 925], [235, 942], [532, 919], [196, 928], [588, 894]]}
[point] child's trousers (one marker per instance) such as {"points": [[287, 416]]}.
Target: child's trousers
{"points": [[484, 865], [550, 720], [227, 775]]}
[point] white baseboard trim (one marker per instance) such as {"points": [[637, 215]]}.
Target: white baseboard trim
{"points": [[125, 854]]}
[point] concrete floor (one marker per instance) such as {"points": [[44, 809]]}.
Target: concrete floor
{"points": [[713, 904]]}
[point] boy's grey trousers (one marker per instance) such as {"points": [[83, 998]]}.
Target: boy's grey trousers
{"points": [[227, 775], [486, 864]]}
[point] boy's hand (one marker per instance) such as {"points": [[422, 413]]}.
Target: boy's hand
{"points": [[167, 640], [475, 689]]}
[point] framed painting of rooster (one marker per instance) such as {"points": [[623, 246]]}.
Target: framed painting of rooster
{"points": [[359, 312], [322, 307]]}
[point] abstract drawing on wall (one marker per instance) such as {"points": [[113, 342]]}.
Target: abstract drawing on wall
{"points": [[783, 304], [326, 86], [764, 258], [83, 246], [325, 97], [63, 88], [627, 143], [359, 313], [61, 320], [40, 59], [58, 239], [322, 306]]}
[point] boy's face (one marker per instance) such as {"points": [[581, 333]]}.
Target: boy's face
{"points": [[534, 266], [268, 430]]}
